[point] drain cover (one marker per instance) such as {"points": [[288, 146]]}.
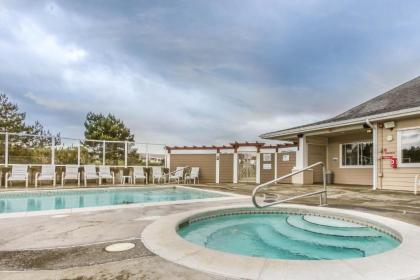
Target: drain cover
{"points": [[119, 247]]}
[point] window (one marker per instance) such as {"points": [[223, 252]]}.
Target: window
{"points": [[409, 147], [357, 154]]}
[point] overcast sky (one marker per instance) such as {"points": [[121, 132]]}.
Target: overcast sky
{"points": [[202, 72]]}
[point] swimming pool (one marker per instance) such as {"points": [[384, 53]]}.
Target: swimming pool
{"points": [[288, 236], [29, 201]]}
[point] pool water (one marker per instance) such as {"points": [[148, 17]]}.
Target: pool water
{"points": [[64, 199], [287, 236]]}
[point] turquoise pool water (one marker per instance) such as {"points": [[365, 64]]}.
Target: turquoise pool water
{"points": [[287, 236], [64, 199]]}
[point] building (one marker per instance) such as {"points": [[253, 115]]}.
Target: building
{"points": [[376, 143], [236, 162]]}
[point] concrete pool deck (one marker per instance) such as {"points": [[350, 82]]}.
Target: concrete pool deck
{"points": [[28, 244]]}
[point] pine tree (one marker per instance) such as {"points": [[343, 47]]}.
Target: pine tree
{"points": [[11, 119]]}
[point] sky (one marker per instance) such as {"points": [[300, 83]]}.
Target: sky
{"points": [[202, 72]]}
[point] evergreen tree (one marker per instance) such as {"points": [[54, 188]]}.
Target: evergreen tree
{"points": [[101, 127], [11, 119]]}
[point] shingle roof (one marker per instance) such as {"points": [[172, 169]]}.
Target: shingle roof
{"points": [[404, 96]]}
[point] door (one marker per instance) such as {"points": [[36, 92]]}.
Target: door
{"points": [[247, 168]]}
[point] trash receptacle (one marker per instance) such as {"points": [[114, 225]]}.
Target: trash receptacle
{"points": [[329, 177]]}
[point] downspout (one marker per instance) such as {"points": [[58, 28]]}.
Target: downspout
{"points": [[375, 153]]}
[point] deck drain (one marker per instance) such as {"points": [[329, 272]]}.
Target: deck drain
{"points": [[119, 247]]}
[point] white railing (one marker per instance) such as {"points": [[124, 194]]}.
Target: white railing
{"points": [[322, 194], [18, 148]]}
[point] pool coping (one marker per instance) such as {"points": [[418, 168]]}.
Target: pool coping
{"points": [[402, 262], [227, 196]]}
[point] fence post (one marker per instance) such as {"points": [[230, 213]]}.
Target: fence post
{"points": [[147, 155], [103, 153], [6, 150], [78, 154], [126, 154], [52, 150]]}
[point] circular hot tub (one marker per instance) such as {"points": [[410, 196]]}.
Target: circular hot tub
{"points": [[295, 241], [278, 234]]}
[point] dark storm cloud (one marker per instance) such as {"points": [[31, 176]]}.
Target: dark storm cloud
{"points": [[202, 72]]}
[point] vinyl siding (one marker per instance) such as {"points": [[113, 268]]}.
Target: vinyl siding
{"points": [[401, 178], [285, 167], [266, 175], [350, 176], [317, 153], [226, 168], [206, 163]]}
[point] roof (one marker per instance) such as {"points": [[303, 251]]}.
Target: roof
{"points": [[402, 97]]}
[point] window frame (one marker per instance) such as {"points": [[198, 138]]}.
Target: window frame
{"points": [[399, 148], [358, 154]]}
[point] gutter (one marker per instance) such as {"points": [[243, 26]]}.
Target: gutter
{"points": [[375, 154], [361, 120]]}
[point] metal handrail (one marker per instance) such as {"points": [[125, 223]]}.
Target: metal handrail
{"points": [[321, 193]]}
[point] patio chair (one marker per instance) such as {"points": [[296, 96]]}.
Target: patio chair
{"points": [[105, 173], [47, 174], [90, 173], [139, 173], [416, 183], [71, 173], [194, 175], [19, 173], [178, 175], [157, 174]]}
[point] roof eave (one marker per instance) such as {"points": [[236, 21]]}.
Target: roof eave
{"points": [[378, 117]]}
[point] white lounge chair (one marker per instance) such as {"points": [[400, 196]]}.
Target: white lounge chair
{"points": [[416, 183], [71, 173], [157, 174], [105, 173], [90, 173], [178, 175], [194, 175], [139, 173], [19, 173], [47, 174]]}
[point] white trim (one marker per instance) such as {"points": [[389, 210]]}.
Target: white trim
{"points": [[217, 181], [227, 151], [194, 152], [258, 169], [247, 149], [362, 120], [275, 164], [399, 151], [354, 166], [288, 150], [267, 150], [235, 168]]}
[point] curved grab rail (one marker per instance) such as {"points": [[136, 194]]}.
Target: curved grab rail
{"points": [[321, 193]]}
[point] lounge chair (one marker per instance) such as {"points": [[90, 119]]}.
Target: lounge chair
{"points": [[71, 173], [157, 174], [90, 173], [19, 173], [105, 173], [194, 175], [139, 173], [47, 174], [178, 175]]}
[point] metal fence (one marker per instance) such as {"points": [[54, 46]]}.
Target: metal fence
{"points": [[17, 148]]}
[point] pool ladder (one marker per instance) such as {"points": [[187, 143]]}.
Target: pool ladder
{"points": [[322, 193]]}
